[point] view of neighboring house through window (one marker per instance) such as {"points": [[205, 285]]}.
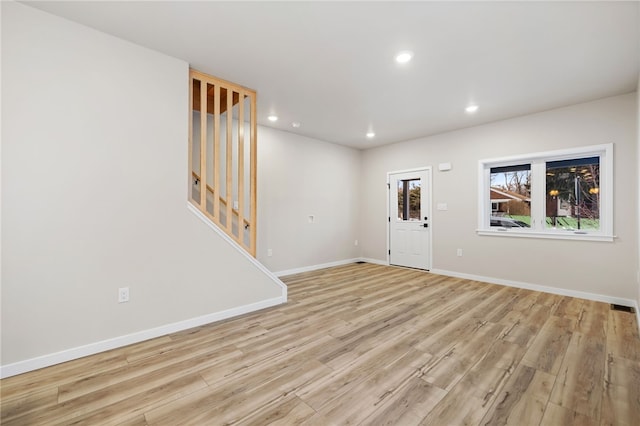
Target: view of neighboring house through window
{"points": [[573, 194], [510, 195], [557, 194]]}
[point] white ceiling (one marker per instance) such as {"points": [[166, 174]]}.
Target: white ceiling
{"points": [[329, 65]]}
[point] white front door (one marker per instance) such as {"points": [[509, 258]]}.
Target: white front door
{"points": [[409, 218]]}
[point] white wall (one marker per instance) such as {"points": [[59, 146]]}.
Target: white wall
{"points": [[94, 190], [299, 177], [592, 267]]}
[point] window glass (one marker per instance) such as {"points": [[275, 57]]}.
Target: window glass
{"points": [[564, 194], [573, 194], [510, 196], [409, 199]]}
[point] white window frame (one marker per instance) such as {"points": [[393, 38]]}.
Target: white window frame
{"points": [[538, 194]]}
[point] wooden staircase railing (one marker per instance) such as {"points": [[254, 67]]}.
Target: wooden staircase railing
{"points": [[222, 155]]}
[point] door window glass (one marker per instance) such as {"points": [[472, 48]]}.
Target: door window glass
{"points": [[409, 199]]}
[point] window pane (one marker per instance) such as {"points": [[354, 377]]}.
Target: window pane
{"points": [[573, 194], [409, 199], [510, 196]]}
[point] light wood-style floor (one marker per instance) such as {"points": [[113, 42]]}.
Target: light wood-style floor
{"points": [[361, 344]]}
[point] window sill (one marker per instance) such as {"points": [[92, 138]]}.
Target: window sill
{"points": [[569, 235]]}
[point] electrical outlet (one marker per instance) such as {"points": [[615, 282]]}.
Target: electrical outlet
{"points": [[355, 243], [123, 294], [269, 252], [459, 253]]}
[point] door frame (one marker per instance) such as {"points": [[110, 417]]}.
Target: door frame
{"points": [[429, 187]]}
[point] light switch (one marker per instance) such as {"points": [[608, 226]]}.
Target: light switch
{"points": [[442, 206]]}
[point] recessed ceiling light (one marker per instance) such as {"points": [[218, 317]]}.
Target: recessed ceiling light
{"points": [[370, 134], [471, 108], [404, 57], [295, 124], [272, 118]]}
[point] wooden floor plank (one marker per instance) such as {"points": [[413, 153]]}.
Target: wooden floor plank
{"points": [[556, 415], [448, 367], [550, 345], [57, 375], [569, 307], [361, 344], [190, 357], [579, 385], [131, 410], [620, 404], [354, 406], [28, 404], [472, 397], [408, 405], [235, 401], [290, 411], [522, 400], [344, 379], [97, 403], [622, 335]]}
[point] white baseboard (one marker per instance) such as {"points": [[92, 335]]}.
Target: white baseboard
{"points": [[120, 341], [315, 267], [374, 261], [536, 287], [330, 265]]}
